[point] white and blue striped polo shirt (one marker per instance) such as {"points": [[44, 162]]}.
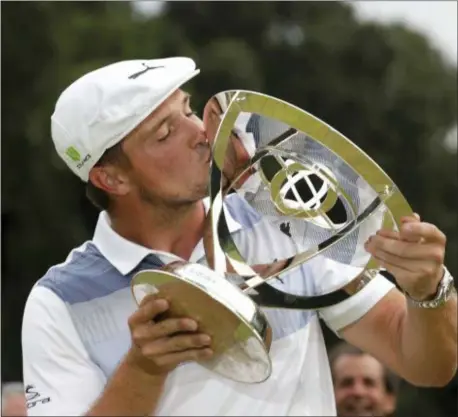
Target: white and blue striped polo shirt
{"points": [[75, 330]]}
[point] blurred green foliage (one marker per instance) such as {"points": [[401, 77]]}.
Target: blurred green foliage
{"points": [[383, 86]]}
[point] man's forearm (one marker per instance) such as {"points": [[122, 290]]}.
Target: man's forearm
{"points": [[130, 392], [420, 345], [429, 343]]}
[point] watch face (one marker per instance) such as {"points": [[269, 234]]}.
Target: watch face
{"points": [[447, 280], [447, 286]]}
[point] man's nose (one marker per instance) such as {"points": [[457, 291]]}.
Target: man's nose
{"points": [[197, 133], [358, 389]]}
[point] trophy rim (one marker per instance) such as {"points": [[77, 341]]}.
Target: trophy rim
{"points": [[297, 119], [240, 100]]}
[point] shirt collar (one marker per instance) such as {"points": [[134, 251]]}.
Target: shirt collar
{"points": [[125, 255]]}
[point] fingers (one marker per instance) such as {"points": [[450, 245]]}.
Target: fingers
{"points": [[172, 359], [149, 308], [390, 234], [393, 234], [177, 343], [414, 218], [396, 270], [414, 277], [414, 266], [147, 332], [395, 249], [413, 230], [397, 235], [159, 346], [411, 219], [414, 255], [426, 231], [168, 327]]}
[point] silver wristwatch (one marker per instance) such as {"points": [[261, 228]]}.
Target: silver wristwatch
{"points": [[444, 291]]}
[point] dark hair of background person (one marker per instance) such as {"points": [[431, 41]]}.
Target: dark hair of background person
{"points": [[391, 380]]}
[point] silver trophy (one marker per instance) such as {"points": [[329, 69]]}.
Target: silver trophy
{"points": [[292, 202]]}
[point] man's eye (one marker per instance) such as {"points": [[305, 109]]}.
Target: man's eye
{"points": [[346, 382], [190, 114], [369, 382]]}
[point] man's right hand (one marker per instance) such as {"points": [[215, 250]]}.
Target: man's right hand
{"points": [[158, 346]]}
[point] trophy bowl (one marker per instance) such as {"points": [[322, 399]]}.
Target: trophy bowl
{"points": [[291, 202], [240, 333]]}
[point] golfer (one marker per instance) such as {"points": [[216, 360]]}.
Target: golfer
{"points": [[129, 132]]}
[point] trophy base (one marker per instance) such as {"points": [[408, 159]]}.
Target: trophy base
{"points": [[241, 335]]}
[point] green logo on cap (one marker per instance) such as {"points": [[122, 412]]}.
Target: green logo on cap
{"points": [[73, 154]]}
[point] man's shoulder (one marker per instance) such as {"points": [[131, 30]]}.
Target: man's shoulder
{"points": [[84, 275]]}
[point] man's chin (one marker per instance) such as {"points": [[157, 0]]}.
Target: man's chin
{"points": [[203, 190], [351, 410], [197, 196]]}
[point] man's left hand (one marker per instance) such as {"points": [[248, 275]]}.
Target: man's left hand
{"points": [[414, 255]]}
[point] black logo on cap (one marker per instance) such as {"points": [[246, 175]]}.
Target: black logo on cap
{"points": [[143, 71]]}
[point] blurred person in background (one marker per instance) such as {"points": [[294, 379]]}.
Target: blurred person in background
{"points": [[363, 386], [13, 399], [128, 131]]}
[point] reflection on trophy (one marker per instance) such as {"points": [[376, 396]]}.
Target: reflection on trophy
{"points": [[301, 196]]}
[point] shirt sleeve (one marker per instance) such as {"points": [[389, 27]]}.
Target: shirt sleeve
{"points": [[59, 376], [334, 275]]}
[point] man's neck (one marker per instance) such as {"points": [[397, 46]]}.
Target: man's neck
{"points": [[175, 230]]}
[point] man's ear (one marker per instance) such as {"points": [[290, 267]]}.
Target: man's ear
{"points": [[110, 180], [390, 404]]}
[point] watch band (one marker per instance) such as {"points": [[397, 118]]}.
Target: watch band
{"points": [[445, 290]]}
